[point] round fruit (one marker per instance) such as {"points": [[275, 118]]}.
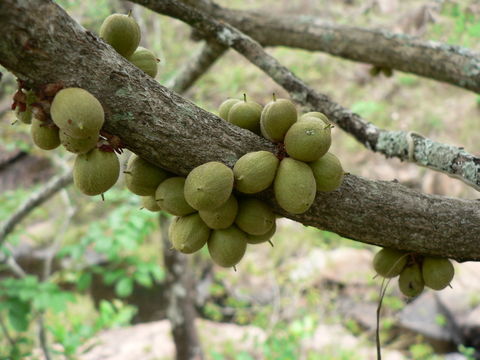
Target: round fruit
{"points": [[222, 217], [44, 134], [258, 239], [96, 171], [77, 112], [308, 140], [26, 116], [149, 203], [209, 186], [255, 171], [437, 272], [328, 172], [188, 233], [145, 60], [225, 107], [410, 281], [227, 247], [78, 146], [122, 33], [246, 114], [254, 217], [294, 186], [389, 262], [317, 115], [143, 178], [277, 117], [170, 197]]}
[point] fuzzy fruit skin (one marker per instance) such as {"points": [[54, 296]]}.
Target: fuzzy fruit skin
{"points": [[246, 114], [149, 203], [188, 234], [122, 33], [44, 134], [170, 197], [222, 217], [96, 171], [145, 60], [255, 171], [77, 112], [308, 140], [437, 272], [254, 217], [142, 177], [259, 239], [209, 186], [410, 281], [227, 247], [277, 117], [78, 146], [328, 172], [294, 186], [389, 262], [225, 107], [315, 114]]}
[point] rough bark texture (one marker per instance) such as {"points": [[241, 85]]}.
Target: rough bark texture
{"points": [[173, 133], [448, 63]]}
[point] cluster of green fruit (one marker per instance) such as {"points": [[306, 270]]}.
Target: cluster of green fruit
{"points": [[416, 271], [123, 34]]}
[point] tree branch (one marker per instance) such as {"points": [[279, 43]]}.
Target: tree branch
{"points": [[173, 133]]}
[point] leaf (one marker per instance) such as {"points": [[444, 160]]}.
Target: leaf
{"points": [[84, 281], [18, 313], [124, 287]]}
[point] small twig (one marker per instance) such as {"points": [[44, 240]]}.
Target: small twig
{"points": [[42, 337], [383, 290], [5, 331]]}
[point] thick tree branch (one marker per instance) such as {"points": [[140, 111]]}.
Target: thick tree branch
{"points": [[447, 63], [173, 133], [413, 147]]}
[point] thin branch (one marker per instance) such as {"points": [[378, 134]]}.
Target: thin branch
{"points": [[42, 336], [6, 333]]}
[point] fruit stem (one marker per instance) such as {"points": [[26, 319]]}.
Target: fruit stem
{"points": [[244, 97], [274, 97], [103, 197], [129, 13], [270, 242], [234, 268]]}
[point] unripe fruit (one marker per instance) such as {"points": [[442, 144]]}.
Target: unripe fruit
{"points": [[437, 272], [170, 197], [317, 115], [26, 116], [122, 33], [188, 233], [410, 281], [255, 171], [77, 112], [145, 60], [142, 177], [78, 146], [308, 140], [149, 203], [227, 247], [44, 134], [96, 171], [277, 117], [294, 186], [225, 107], [258, 239], [246, 114], [221, 217], [389, 262], [254, 217], [209, 186], [328, 172]]}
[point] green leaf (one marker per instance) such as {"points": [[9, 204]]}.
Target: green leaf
{"points": [[124, 287], [18, 313], [84, 281]]}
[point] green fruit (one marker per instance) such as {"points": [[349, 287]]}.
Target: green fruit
{"points": [[389, 262], [410, 281], [170, 197], [294, 186], [328, 172], [188, 233], [317, 115], [246, 114], [142, 177], [254, 217], [44, 134], [78, 146], [255, 171], [209, 186], [221, 217], [277, 117], [149, 203], [227, 247], [225, 107], [26, 116], [258, 239], [145, 60], [437, 272], [122, 33], [96, 171], [308, 140], [77, 112]]}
